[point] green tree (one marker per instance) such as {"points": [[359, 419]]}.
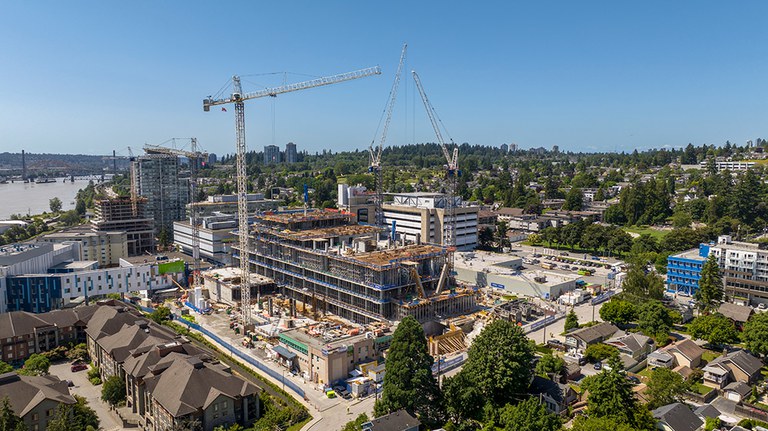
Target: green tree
{"points": [[74, 417], [710, 292], [528, 415], [9, 420], [712, 424], [593, 423], [78, 352], [611, 396], [5, 368], [643, 284], [571, 321], [55, 204], [463, 400], [665, 387], [36, 365], [550, 364], [655, 320], [408, 382], [160, 314], [80, 207], [618, 312], [113, 390], [755, 334], [163, 239], [574, 200], [599, 351], [357, 424], [70, 218], [498, 364], [715, 328]]}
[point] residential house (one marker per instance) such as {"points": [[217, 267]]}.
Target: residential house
{"points": [[555, 396], [635, 345], [677, 417], [71, 323], [400, 420], [661, 358], [34, 398], [738, 366], [737, 391], [686, 353], [190, 390], [707, 411], [739, 314], [106, 321], [581, 338], [114, 349]]}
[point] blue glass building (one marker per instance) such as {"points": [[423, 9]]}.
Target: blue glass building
{"points": [[684, 270]]}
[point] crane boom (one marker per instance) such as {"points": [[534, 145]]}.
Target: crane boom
{"points": [[452, 172], [375, 166], [237, 98]]}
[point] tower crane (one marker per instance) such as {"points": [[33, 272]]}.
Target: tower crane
{"points": [[238, 98], [452, 173], [134, 185], [194, 157], [375, 153]]}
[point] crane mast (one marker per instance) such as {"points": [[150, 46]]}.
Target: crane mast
{"points": [[375, 166], [452, 172], [238, 98]]}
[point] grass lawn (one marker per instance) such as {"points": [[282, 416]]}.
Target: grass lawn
{"points": [[700, 389], [645, 373], [709, 355], [656, 233]]}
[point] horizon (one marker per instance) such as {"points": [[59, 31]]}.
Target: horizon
{"points": [[599, 77]]}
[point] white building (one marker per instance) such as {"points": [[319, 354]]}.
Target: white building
{"points": [[421, 218], [744, 267], [215, 234]]}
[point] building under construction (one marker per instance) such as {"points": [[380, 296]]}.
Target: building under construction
{"points": [[124, 215], [325, 261], [159, 179]]}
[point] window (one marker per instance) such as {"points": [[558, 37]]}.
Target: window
{"points": [[35, 416], [49, 412]]}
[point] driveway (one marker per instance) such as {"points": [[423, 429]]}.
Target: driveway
{"points": [[84, 388]]}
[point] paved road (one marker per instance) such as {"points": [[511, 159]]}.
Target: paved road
{"points": [[82, 387]]}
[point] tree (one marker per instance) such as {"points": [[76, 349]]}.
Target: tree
{"points": [[611, 396], [571, 321], [463, 400], [408, 381], [643, 284], [55, 204], [573, 200], [113, 390], [655, 320], [5, 368], [70, 218], [618, 312], [755, 334], [9, 420], [78, 353], [80, 207], [599, 352], [162, 238], [498, 364], [357, 424], [710, 292], [74, 417], [593, 423], [485, 238], [36, 365], [715, 328], [160, 315], [550, 364], [665, 387], [529, 415]]}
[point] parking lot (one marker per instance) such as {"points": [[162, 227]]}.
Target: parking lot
{"points": [[82, 387]]}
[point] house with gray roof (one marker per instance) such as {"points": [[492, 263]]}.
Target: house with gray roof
{"points": [[555, 396], [736, 391], [677, 417], [739, 314], [400, 420], [34, 398], [22, 334], [581, 338], [635, 345], [188, 389], [737, 366], [686, 353]]}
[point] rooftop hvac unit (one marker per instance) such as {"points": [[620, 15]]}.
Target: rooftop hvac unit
{"points": [[540, 279]]}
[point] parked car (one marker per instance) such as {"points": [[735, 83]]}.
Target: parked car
{"points": [[556, 344], [598, 365], [761, 306], [634, 380], [78, 366]]}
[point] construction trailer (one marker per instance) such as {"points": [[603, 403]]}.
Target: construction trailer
{"points": [[325, 260]]}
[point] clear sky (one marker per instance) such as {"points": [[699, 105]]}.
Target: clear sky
{"points": [[96, 76]]}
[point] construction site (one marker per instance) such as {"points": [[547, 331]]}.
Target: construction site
{"points": [[327, 262]]}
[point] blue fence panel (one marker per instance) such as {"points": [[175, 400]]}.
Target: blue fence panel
{"points": [[602, 297]]}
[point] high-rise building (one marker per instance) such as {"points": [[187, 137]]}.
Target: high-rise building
{"points": [[512, 148], [271, 154], [555, 149], [159, 180], [290, 153], [504, 148], [212, 159], [122, 215]]}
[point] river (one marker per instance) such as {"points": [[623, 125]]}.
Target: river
{"points": [[30, 198]]}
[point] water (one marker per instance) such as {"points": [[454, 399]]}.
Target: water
{"points": [[30, 198]]}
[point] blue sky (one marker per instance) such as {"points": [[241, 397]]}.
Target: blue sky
{"points": [[90, 77]]}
